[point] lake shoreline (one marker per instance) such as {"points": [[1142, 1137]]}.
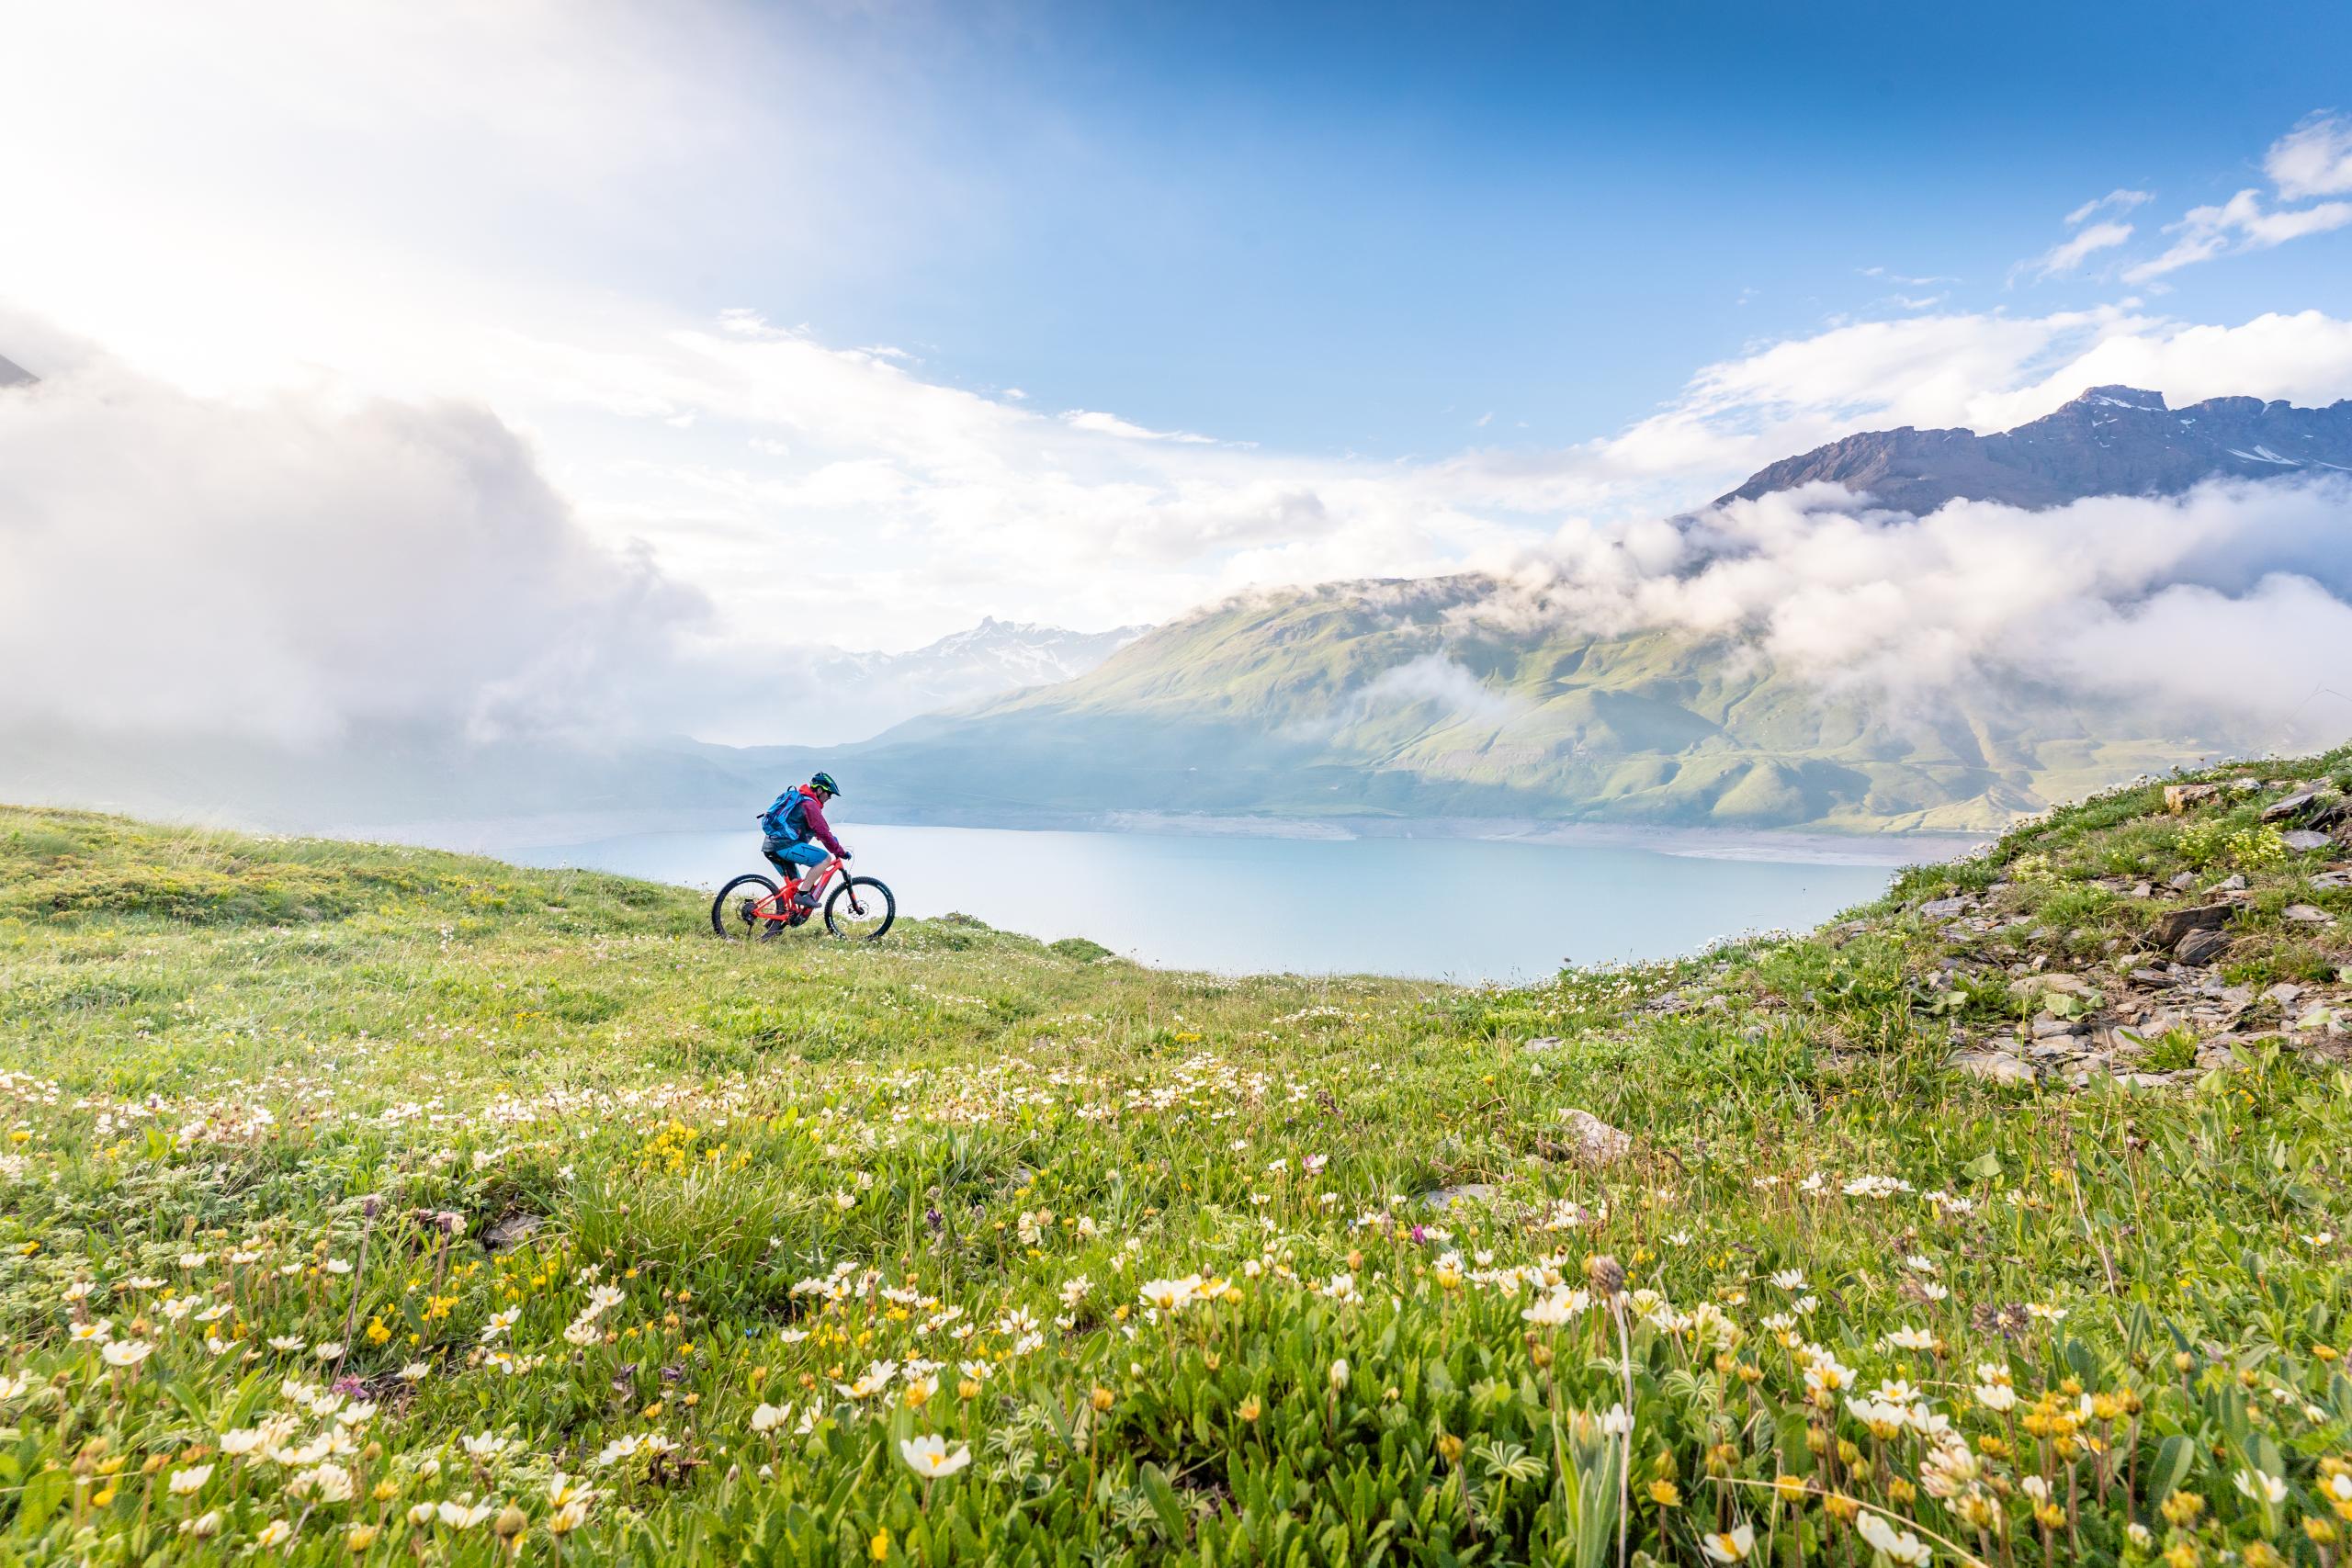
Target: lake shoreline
{"points": [[492, 835]]}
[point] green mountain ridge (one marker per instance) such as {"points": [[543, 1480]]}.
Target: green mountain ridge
{"points": [[1384, 698]]}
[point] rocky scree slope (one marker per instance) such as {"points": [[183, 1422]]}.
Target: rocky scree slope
{"points": [[2152, 936]]}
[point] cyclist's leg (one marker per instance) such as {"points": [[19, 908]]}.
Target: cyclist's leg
{"points": [[773, 849], [805, 858]]}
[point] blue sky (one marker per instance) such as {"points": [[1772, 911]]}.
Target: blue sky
{"points": [[851, 324], [1365, 227]]}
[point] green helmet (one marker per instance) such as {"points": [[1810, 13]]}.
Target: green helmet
{"points": [[825, 781]]}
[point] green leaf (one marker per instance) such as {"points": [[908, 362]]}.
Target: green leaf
{"points": [[1164, 1504], [39, 1499], [1797, 1459], [1985, 1166], [2173, 1463]]}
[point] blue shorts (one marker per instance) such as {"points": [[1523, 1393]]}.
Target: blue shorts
{"points": [[789, 858]]}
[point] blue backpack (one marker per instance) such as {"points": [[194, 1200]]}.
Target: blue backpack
{"points": [[788, 818]]}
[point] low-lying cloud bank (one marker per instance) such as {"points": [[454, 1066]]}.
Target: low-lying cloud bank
{"points": [[291, 568], [2228, 604]]}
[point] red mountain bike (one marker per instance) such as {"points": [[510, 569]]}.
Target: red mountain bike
{"points": [[858, 907]]}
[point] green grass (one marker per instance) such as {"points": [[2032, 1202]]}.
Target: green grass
{"points": [[266, 1100]]}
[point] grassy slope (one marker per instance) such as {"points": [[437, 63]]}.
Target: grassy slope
{"points": [[1648, 726], [223, 1054]]}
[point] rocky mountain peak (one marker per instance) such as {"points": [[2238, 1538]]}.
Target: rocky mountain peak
{"points": [[15, 375], [2112, 440], [2121, 398]]}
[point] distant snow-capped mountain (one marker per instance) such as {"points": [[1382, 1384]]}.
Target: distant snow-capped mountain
{"points": [[998, 656], [840, 697]]}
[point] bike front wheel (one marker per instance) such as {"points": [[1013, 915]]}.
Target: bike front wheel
{"points": [[730, 912], [860, 909]]}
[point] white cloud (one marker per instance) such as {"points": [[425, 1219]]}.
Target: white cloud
{"points": [[2224, 605], [1111, 425], [2313, 159], [294, 566], [2118, 200], [2070, 253], [1439, 681], [2242, 223]]}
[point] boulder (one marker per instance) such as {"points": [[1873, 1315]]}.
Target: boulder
{"points": [[2292, 807], [2302, 840], [2308, 915], [2181, 797], [511, 1231], [1595, 1142], [2173, 924], [1943, 909], [2201, 947], [1993, 1066]]}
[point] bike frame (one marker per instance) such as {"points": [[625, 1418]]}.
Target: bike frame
{"points": [[777, 905]]}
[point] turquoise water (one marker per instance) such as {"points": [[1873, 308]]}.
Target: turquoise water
{"points": [[1454, 908]]}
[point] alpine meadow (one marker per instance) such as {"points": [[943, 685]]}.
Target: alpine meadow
{"points": [[368, 1202]]}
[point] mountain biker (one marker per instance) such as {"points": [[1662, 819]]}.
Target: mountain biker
{"points": [[794, 827]]}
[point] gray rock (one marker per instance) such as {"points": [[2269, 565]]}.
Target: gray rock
{"points": [[1597, 1143], [2307, 915], [511, 1231], [2051, 1028], [2328, 881], [1545, 1043], [1943, 909], [2302, 840], [2294, 806], [2173, 924], [2146, 1080], [2201, 947], [1994, 1066], [2283, 994], [2183, 881], [2234, 883]]}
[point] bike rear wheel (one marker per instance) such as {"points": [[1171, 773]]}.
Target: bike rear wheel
{"points": [[730, 912], [860, 909]]}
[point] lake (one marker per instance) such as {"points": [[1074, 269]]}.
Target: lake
{"points": [[1466, 910]]}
